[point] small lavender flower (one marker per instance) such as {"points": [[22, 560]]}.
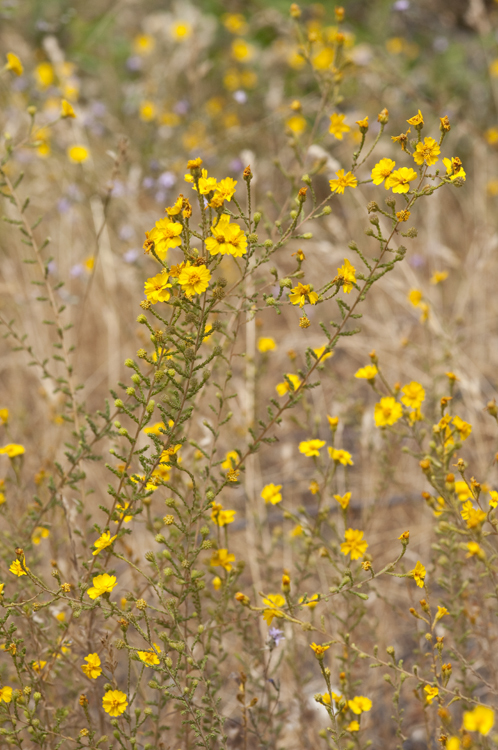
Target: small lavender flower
{"points": [[274, 637]]}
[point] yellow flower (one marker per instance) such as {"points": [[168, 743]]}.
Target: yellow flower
{"points": [[6, 691], [156, 288], [227, 463], [282, 388], [494, 499], [311, 447], [431, 693], [354, 545], [413, 396], [382, 170], [464, 428], [363, 124], [266, 344], [319, 650], [474, 516], [38, 665], [235, 23], [492, 136], [418, 574], [314, 487], [225, 190], [147, 111], [346, 274], [271, 493], [400, 180], [320, 350], [44, 73], [441, 612], [353, 726], [462, 490], [367, 373], [273, 601], [102, 584], [17, 569], [38, 534], [481, 719], [14, 64], [222, 558], [241, 50], [93, 668], [298, 295], [66, 109], [338, 126], [103, 541], [343, 181], [310, 602], [12, 450], [181, 30], [387, 411], [296, 531], [4, 416], [78, 154], [415, 297], [333, 422], [114, 702], [217, 583], [297, 124], [194, 279], [453, 744], [438, 276], [227, 238], [220, 516], [150, 657], [121, 509], [454, 168], [359, 704], [417, 119], [341, 456], [427, 152], [143, 44], [165, 235], [343, 500], [475, 549]]}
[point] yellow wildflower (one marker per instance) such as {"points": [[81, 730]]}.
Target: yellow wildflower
{"points": [[6, 691], [17, 569], [343, 500], [464, 428], [347, 274], [414, 395], [102, 584], [353, 726], [114, 702], [103, 541], [382, 170], [150, 658], [354, 544], [272, 602], [426, 152], [359, 704], [367, 373], [298, 295], [341, 456], [217, 583], [38, 665], [165, 235], [311, 447], [266, 344], [156, 288], [223, 558], [297, 124], [271, 493], [415, 297], [78, 154], [418, 574], [320, 351], [4, 416], [319, 650], [282, 388], [39, 533], [67, 109], [310, 602], [227, 238], [12, 450], [481, 719], [338, 126], [14, 64], [387, 411], [314, 487], [400, 179], [441, 612], [438, 276], [474, 549], [416, 120], [454, 168], [431, 693], [147, 111], [93, 668], [194, 279], [343, 181], [220, 516], [227, 463]]}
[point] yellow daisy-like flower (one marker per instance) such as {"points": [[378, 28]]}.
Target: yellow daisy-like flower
{"points": [[225, 190], [320, 351], [105, 540], [367, 373], [78, 154], [310, 602], [418, 574], [359, 704], [283, 388], [102, 584], [464, 428], [427, 152], [271, 493], [441, 612], [299, 293], [382, 170], [12, 450], [38, 665], [337, 126], [4, 416], [414, 395], [341, 456], [147, 110], [416, 120], [311, 447], [430, 693], [474, 549], [353, 726], [156, 288], [38, 534], [217, 583], [266, 344], [227, 238], [220, 516], [454, 168], [14, 64], [346, 274], [6, 691], [17, 569], [319, 650], [415, 297], [481, 719], [67, 109], [222, 558], [194, 279], [114, 702], [297, 124], [400, 180], [343, 181], [165, 235], [439, 276], [93, 668], [387, 411], [206, 184], [150, 658], [273, 602], [343, 500], [354, 544], [227, 463]]}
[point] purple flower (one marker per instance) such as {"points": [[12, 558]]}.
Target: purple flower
{"points": [[401, 5], [181, 107], [131, 256], [166, 179], [274, 637], [134, 63], [240, 97], [148, 182]]}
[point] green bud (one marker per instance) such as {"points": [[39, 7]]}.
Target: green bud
{"points": [[118, 403], [307, 236], [129, 363], [257, 219], [130, 391], [268, 244], [136, 378], [123, 431], [150, 407], [141, 319]]}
